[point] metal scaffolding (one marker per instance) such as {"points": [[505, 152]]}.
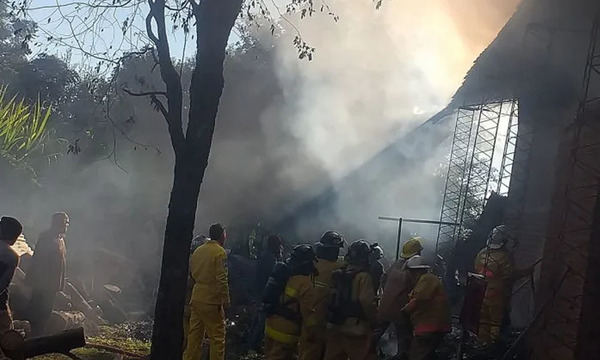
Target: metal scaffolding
{"points": [[482, 157], [453, 201], [471, 171], [510, 149], [567, 329]]}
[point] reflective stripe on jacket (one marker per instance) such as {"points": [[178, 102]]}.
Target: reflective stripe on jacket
{"points": [[208, 268], [299, 297], [428, 306]]}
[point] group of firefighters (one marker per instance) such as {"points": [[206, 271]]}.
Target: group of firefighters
{"points": [[318, 305]]}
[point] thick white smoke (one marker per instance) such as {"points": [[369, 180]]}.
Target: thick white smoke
{"points": [[379, 72], [281, 137]]}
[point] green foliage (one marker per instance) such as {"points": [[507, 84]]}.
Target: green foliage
{"points": [[22, 126], [111, 336], [119, 338]]}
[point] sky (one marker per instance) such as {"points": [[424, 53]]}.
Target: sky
{"points": [[72, 28]]}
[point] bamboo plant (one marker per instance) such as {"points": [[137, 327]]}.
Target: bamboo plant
{"points": [[22, 126]]}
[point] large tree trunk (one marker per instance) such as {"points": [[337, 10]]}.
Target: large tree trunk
{"points": [[214, 19], [167, 336]]}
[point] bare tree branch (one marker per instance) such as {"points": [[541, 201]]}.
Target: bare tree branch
{"points": [[145, 93], [169, 75], [195, 4], [149, 18], [159, 106]]}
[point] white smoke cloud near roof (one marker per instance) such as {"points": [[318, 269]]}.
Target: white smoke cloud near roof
{"points": [[378, 73]]}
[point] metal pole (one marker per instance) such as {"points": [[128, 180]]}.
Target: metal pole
{"points": [[399, 237], [418, 221]]}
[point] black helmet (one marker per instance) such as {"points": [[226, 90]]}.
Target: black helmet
{"points": [[302, 255], [331, 239], [196, 242], [358, 253]]}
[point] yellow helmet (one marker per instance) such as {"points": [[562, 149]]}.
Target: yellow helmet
{"points": [[411, 248]]}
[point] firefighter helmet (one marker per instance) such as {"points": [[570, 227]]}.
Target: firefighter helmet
{"points": [[302, 255], [411, 248], [498, 237], [331, 239], [417, 262], [196, 242], [358, 253]]}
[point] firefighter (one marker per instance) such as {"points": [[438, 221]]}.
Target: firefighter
{"points": [[352, 314], [377, 268], [396, 287], [266, 263], [428, 308], [187, 311], [210, 296], [288, 303], [495, 263], [328, 251]]}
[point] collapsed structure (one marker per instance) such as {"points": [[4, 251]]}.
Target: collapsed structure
{"points": [[545, 67]]}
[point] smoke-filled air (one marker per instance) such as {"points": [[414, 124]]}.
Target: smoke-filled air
{"points": [[303, 142]]}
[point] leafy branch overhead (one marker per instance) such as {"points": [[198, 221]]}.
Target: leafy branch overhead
{"points": [[22, 126]]}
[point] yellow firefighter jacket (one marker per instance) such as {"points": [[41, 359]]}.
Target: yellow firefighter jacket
{"points": [[208, 268], [322, 282], [396, 288], [363, 294], [428, 306], [497, 266], [299, 298]]}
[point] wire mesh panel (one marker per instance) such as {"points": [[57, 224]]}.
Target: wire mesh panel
{"points": [[454, 198], [482, 157], [510, 149], [514, 171], [474, 160]]}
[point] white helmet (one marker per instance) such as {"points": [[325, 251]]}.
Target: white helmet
{"points": [[376, 252], [417, 262], [498, 237]]}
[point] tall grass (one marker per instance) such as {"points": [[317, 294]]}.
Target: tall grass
{"points": [[22, 126]]}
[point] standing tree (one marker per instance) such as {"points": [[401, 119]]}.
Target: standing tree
{"points": [[212, 21]]}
